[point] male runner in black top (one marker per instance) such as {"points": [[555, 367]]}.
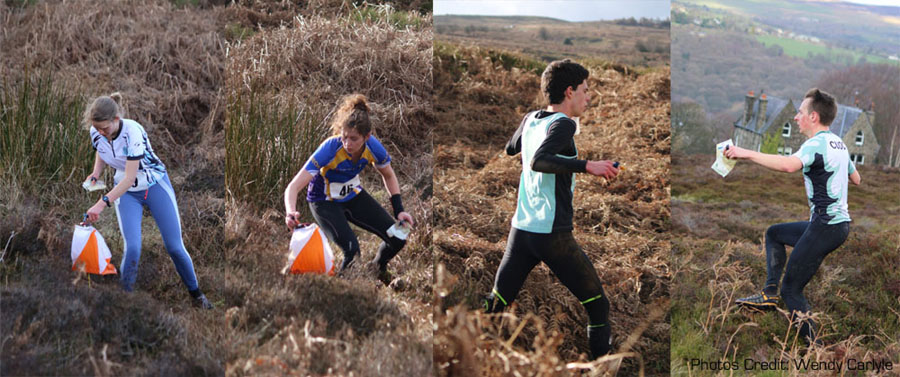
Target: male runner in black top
{"points": [[542, 226]]}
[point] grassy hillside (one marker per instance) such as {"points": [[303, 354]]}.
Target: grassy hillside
{"points": [[800, 49], [621, 224], [719, 226], [167, 62], [282, 84]]}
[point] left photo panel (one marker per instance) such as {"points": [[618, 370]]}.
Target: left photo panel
{"points": [[112, 188]]}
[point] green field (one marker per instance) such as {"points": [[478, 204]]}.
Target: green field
{"points": [[758, 7], [802, 50]]}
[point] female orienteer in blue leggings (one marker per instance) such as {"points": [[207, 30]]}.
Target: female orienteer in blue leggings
{"points": [[140, 180]]}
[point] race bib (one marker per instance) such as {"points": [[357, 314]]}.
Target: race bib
{"points": [[340, 190], [140, 182]]}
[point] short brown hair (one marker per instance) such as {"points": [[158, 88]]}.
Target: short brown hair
{"points": [[559, 76], [353, 112], [823, 104], [102, 109]]}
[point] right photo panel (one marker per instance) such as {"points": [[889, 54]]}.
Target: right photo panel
{"points": [[785, 188]]}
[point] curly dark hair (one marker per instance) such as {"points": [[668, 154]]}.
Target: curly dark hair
{"points": [[559, 76], [352, 112]]}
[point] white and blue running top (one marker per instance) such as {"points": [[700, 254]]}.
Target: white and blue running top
{"points": [[826, 168], [130, 144]]}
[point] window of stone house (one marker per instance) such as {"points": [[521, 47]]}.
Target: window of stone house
{"points": [[859, 138], [786, 130]]}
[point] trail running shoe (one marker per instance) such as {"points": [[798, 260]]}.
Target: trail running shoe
{"points": [[382, 274], [202, 302], [385, 277], [759, 301]]}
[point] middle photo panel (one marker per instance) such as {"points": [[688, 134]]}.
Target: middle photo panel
{"points": [[552, 143], [329, 185]]}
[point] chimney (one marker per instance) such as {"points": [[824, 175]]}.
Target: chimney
{"points": [[871, 113], [761, 118], [748, 108]]}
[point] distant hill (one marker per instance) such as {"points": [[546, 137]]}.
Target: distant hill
{"points": [[635, 42], [516, 20], [862, 28]]}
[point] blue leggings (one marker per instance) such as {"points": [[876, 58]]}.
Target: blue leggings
{"points": [[160, 199]]}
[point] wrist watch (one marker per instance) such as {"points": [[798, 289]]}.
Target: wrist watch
{"points": [[106, 199]]}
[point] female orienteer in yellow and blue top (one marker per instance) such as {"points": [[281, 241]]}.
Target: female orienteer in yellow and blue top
{"points": [[335, 194]]}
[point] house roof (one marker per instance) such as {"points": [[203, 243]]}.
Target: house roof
{"points": [[843, 121], [774, 107], [846, 116]]}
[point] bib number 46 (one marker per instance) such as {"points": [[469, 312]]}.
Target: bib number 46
{"points": [[346, 190]]}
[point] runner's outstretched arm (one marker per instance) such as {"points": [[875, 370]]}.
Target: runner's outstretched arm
{"points": [[855, 178], [788, 164], [99, 165], [131, 168], [390, 179], [393, 187], [301, 180], [547, 159]]}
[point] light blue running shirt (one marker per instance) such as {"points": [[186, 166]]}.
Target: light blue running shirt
{"points": [[826, 171], [536, 205]]}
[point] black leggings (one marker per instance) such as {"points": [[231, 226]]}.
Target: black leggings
{"points": [[363, 211], [812, 241], [572, 267]]}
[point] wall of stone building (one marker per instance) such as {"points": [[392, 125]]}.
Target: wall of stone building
{"points": [[786, 115], [746, 139], [870, 146]]}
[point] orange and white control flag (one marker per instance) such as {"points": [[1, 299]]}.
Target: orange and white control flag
{"points": [[89, 252], [310, 252]]}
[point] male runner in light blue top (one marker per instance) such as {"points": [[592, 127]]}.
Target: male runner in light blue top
{"points": [[826, 171]]}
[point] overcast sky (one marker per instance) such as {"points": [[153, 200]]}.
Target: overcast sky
{"points": [[569, 10], [895, 3]]}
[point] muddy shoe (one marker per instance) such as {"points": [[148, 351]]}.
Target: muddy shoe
{"points": [[759, 301]]}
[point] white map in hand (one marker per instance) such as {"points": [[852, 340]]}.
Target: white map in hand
{"points": [[93, 185], [723, 165]]}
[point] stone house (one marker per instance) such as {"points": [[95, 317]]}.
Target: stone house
{"points": [[767, 116]]}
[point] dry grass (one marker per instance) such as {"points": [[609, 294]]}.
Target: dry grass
{"points": [[168, 64], [719, 256], [313, 324], [620, 224]]}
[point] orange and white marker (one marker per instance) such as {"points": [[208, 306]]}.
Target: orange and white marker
{"points": [[310, 252], [89, 251]]}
